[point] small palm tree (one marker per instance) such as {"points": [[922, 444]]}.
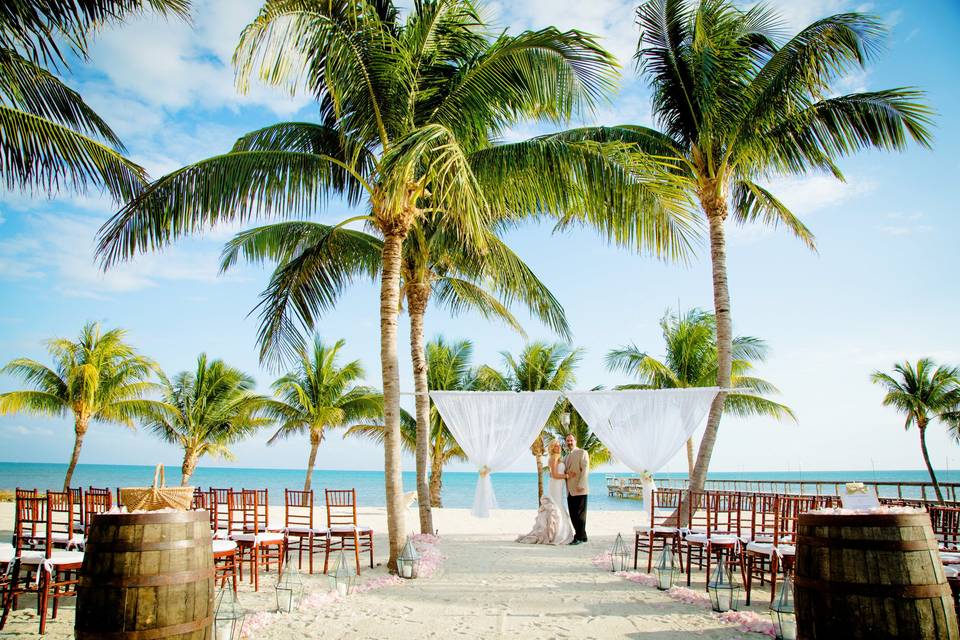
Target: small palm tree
{"points": [[737, 103], [448, 369], [50, 137], [574, 424], [924, 393], [539, 367], [320, 394], [98, 378], [206, 411], [691, 361]]}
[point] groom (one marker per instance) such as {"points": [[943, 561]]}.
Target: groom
{"points": [[577, 465]]}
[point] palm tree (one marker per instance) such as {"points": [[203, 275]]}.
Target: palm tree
{"points": [[98, 378], [207, 410], [49, 137], [924, 393], [569, 422], [540, 366], [448, 369], [436, 264], [321, 394], [736, 105], [407, 112], [691, 361]]}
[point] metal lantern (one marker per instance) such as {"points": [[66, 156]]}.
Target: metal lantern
{"points": [[665, 570], [783, 612], [565, 419], [618, 555], [343, 579], [408, 562], [228, 620], [289, 588], [724, 592]]}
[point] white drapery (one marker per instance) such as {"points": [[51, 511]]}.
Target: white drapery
{"points": [[644, 428], [494, 429]]}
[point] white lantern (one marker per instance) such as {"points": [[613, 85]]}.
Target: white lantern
{"points": [[289, 588], [408, 563], [783, 612], [723, 590], [618, 555], [665, 569], [343, 579], [229, 616]]}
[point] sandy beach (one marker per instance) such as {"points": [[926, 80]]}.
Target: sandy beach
{"points": [[488, 586]]}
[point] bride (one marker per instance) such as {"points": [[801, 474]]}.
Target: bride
{"points": [[552, 525]]}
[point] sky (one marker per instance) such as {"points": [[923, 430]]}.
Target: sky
{"points": [[882, 288]]}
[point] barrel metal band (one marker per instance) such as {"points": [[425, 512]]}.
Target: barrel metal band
{"points": [[147, 634], [167, 545], [870, 545], [159, 580], [830, 587], [864, 520]]}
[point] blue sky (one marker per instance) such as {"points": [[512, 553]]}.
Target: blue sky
{"points": [[883, 286]]}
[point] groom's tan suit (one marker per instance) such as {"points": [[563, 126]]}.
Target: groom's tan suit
{"points": [[578, 487]]}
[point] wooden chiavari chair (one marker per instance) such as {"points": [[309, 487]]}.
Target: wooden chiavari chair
{"points": [[62, 526], [722, 537], [254, 546], [662, 526], [51, 573], [781, 550], [95, 502], [946, 526], [27, 493], [298, 526], [345, 533]]}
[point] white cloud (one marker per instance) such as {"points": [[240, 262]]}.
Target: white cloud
{"points": [[804, 195], [905, 224], [19, 430], [60, 247]]}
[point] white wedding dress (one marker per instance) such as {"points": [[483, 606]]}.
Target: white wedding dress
{"points": [[553, 525]]}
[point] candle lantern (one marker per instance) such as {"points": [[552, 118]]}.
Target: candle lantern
{"points": [[408, 562], [783, 612], [229, 616], [618, 555], [289, 588], [724, 591], [665, 569], [343, 578]]}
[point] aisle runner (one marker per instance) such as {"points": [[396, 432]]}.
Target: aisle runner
{"points": [[749, 621], [430, 561]]}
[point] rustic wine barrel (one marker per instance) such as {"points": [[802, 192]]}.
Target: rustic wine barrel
{"points": [[147, 576], [871, 577]]}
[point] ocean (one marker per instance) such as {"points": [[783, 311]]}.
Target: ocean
{"points": [[514, 490]]}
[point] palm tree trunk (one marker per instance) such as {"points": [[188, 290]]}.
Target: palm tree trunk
{"points": [[436, 482], [389, 308], [312, 460], [716, 209], [689, 457], [188, 467], [537, 450], [80, 430], [922, 428], [418, 295]]}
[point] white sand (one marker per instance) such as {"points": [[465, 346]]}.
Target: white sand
{"points": [[488, 587]]}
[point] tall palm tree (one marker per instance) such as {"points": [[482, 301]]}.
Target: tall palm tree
{"points": [[210, 409], [737, 104], [436, 264], [98, 378], [448, 369], [49, 136], [320, 394], [408, 108], [924, 393], [691, 361], [540, 366]]}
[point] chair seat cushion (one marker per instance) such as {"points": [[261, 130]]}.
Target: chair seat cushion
{"points": [[6, 552], [259, 538], [300, 528], [58, 558], [346, 529], [716, 538], [645, 528], [766, 549], [224, 546]]}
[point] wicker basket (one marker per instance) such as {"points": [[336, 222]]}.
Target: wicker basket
{"points": [[157, 497]]}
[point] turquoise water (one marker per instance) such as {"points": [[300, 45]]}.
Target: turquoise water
{"points": [[514, 490]]}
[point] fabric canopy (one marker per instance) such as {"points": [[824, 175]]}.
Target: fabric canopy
{"points": [[494, 429], [644, 428]]}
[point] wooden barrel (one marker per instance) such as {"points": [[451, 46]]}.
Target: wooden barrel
{"points": [[871, 577], [147, 576]]}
